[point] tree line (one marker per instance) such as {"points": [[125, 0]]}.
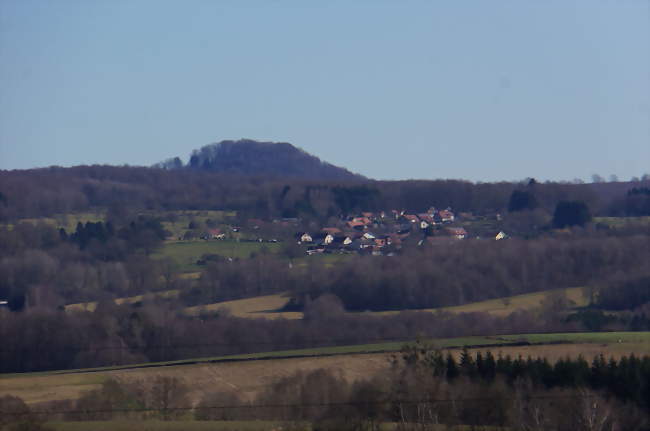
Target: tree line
{"points": [[41, 266], [40, 339], [475, 270], [55, 190]]}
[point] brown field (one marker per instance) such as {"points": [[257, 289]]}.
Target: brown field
{"points": [[248, 378], [91, 306], [257, 307], [265, 306], [505, 306]]}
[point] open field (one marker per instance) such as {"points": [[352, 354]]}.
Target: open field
{"points": [[91, 306], [176, 227], [259, 306], [267, 306], [249, 377], [186, 253], [66, 221], [505, 306], [181, 219]]}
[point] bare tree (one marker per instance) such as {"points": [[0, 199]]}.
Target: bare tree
{"points": [[594, 413]]}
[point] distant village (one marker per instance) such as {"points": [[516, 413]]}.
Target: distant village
{"points": [[373, 233]]}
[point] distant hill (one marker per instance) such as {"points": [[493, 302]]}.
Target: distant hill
{"points": [[248, 157]]}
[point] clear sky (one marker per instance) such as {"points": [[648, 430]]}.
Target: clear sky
{"points": [[482, 90]]}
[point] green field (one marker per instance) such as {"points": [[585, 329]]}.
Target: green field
{"points": [[186, 253], [176, 227], [66, 221], [181, 219]]}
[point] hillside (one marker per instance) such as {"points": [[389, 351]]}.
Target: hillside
{"points": [[248, 157]]}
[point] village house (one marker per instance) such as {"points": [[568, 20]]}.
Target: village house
{"points": [[380, 242], [214, 234], [322, 238], [457, 232], [341, 241], [303, 237], [446, 216]]}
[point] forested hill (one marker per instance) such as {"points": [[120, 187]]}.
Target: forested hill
{"points": [[247, 157]]}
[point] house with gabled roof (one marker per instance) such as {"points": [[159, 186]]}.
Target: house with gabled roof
{"points": [[303, 237], [341, 241], [446, 216], [214, 234]]}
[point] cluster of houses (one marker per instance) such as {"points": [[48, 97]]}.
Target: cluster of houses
{"points": [[376, 233], [383, 232]]}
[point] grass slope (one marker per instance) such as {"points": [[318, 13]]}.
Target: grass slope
{"points": [[186, 253]]}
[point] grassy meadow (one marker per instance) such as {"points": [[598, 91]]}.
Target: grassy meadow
{"points": [[66, 221], [186, 253]]}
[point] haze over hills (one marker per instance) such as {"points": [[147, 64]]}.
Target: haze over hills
{"points": [[248, 157]]}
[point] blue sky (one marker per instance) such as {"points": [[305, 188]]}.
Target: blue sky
{"points": [[481, 90]]}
